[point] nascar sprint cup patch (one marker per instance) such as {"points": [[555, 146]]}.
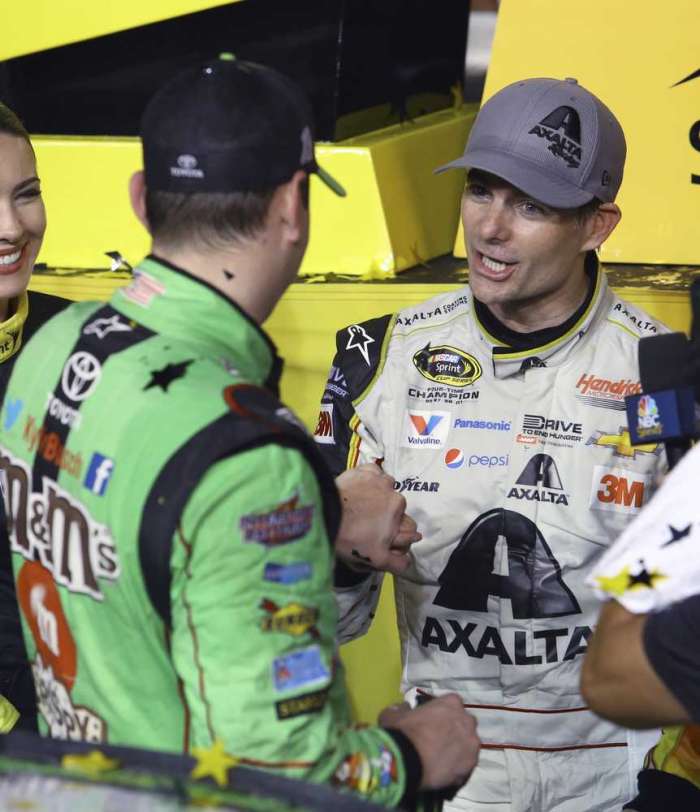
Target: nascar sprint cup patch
{"points": [[447, 365]]}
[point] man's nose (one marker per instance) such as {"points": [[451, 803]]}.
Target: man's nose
{"points": [[494, 224]]}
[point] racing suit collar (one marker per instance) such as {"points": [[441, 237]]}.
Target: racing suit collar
{"points": [[557, 343], [205, 315], [11, 328]]}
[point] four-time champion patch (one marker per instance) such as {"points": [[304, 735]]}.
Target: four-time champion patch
{"points": [[447, 365]]}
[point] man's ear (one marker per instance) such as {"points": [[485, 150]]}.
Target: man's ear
{"points": [[137, 196], [291, 205], [601, 224]]}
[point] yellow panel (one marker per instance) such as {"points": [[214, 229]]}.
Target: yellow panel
{"points": [[35, 25], [396, 214], [303, 327], [631, 55]]}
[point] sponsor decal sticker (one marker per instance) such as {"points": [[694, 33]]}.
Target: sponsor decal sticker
{"points": [[80, 376], [48, 446], [53, 528], [336, 385], [447, 365], [300, 705], [454, 458], [293, 618], [359, 339], [13, 409], [426, 429], [486, 425], [287, 573], [412, 483], [618, 489], [621, 445], [299, 669], [285, 523], [99, 473], [605, 393], [324, 428], [540, 482], [103, 327], [443, 394], [365, 775]]}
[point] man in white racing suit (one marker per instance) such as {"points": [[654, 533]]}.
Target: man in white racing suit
{"points": [[499, 410]]}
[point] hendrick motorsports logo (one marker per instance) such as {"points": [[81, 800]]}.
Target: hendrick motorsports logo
{"points": [[447, 365]]}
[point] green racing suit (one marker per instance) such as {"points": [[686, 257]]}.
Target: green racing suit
{"points": [[171, 530]]}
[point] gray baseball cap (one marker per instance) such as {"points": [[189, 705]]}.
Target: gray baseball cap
{"points": [[551, 138]]}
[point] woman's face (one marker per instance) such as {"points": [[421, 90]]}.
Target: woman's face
{"points": [[22, 216]]}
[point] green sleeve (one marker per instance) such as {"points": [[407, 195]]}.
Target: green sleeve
{"points": [[254, 629]]}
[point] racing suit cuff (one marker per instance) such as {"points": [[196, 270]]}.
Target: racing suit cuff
{"points": [[413, 766], [345, 576]]}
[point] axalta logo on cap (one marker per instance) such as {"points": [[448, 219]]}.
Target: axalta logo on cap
{"points": [[187, 167]]}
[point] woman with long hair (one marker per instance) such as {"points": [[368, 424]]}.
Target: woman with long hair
{"points": [[22, 226]]}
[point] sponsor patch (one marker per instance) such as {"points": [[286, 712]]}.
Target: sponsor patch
{"points": [[81, 374], [488, 460], [99, 473], [640, 323], [285, 523], [540, 482], [294, 618], [447, 365], [365, 775], [62, 412], [359, 339], [336, 385], [324, 428], [425, 429], [618, 489], [299, 705], [13, 409], [442, 394], [454, 458], [299, 669], [561, 129], [287, 573], [485, 425], [48, 446], [605, 393], [552, 430], [103, 327], [620, 443], [413, 483]]}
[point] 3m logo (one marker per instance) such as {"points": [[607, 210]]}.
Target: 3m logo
{"points": [[426, 429], [324, 427], [618, 489]]}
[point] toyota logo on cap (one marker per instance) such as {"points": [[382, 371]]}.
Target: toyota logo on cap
{"points": [[187, 161]]}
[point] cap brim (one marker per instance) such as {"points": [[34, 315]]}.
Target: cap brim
{"points": [[330, 181], [524, 175]]}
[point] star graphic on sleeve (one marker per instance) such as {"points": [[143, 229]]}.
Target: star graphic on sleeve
{"points": [[359, 339], [165, 376], [213, 761], [644, 578], [677, 535], [614, 585]]}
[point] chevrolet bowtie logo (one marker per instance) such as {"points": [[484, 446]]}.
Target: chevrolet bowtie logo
{"points": [[621, 443]]}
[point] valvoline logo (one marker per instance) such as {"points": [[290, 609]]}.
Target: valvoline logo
{"points": [[454, 458], [425, 429]]}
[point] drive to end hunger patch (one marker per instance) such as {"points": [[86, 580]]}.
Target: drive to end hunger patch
{"points": [[287, 522], [299, 669], [447, 365]]}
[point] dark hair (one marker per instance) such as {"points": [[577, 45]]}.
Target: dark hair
{"points": [[11, 125], [208, 218], [582, 213]]}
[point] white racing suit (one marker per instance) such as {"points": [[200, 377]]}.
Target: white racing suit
{"points": [[518, 470]]}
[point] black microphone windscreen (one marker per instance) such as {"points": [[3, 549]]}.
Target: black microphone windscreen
{"points": [[663, 362]]}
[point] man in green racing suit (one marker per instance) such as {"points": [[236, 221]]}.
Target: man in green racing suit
{"points": [[170, 523]]}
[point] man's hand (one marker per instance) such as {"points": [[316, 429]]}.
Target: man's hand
{"points": [[444, 736], [375, 532]]}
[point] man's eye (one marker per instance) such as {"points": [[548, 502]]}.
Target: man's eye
{"points": [[476, 190], [30, 193], [529, 207]]}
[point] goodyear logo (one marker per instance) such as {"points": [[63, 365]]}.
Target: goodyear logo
{"points": [[447, 365], [293, 618]]}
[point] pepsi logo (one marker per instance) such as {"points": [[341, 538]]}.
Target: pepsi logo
{"points": [[454, 458]]}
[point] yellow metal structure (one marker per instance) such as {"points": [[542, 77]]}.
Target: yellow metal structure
{"points": [[40, 24], [635, 56], [303, 326], [397, 212]]}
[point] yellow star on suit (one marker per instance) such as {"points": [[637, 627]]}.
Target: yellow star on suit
{"points": [[213, 761]]}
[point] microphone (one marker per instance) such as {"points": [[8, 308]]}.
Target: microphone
{"points": [[665, 409]]}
